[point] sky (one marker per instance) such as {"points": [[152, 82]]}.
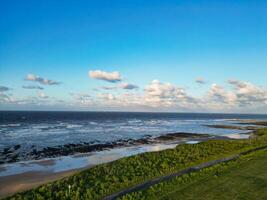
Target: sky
{"points": [[122, 55]]}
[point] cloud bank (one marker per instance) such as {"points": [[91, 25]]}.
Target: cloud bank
{"points": [[157, 95], [42, 95], [233, 96]]}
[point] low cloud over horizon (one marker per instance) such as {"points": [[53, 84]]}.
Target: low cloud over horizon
{"points": [[233, 96]]}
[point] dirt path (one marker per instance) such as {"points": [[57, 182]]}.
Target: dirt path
{"points": [[196, 168]]}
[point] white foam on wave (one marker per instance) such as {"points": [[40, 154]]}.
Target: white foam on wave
{"points": [[71, 131], [70, 126], [10, 125], [135, 121]]}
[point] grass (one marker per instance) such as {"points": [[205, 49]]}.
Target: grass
{"points": [[248, 181], [105, 179], [245, 178]]}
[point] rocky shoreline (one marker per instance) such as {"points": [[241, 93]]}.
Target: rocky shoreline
{"points": [[13, 153], [249, 125], [243, 128], [253, 122]]}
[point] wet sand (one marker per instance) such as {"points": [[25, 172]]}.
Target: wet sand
{"points": [[17, 177], [13, 154], [21, 182], [20, 176]]}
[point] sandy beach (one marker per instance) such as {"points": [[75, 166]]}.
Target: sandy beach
{"points": [[20, 176], [24, 181]]}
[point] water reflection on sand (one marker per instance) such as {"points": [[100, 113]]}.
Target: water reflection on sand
{"points": [[238, 136], [79, 161]]}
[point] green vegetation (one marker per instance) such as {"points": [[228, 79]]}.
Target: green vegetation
{"points": [[244, 178], [105, 179]]}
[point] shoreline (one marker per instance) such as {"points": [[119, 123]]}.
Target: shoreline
{"points": [[107, 179], [18, 151], [12, 154], [48, 169], [19, 182]]}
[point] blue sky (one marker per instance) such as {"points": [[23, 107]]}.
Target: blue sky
{"points": [[173, 42]]}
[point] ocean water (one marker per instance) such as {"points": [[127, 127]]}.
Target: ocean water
{"points": [[43, 129]]}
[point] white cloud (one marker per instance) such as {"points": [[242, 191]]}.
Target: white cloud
{"points": [[166, 95], [218, 99], [156, 94], [106, 96], [32, 77], [40, 99], [42, 95], [248, 94], [241, 96], [83, 98], [28, 102], [219, 95], [106, 76]]}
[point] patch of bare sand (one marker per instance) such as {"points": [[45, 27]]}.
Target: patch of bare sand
{"points": [[20, 182]]}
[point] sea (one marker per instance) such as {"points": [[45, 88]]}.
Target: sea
{"points": [[47, 129]]}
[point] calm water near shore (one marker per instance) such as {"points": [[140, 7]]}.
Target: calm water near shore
{"points": [[78, 161]]}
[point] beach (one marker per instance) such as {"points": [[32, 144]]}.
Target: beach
{"points": [[22, 170], [20, 176]]}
